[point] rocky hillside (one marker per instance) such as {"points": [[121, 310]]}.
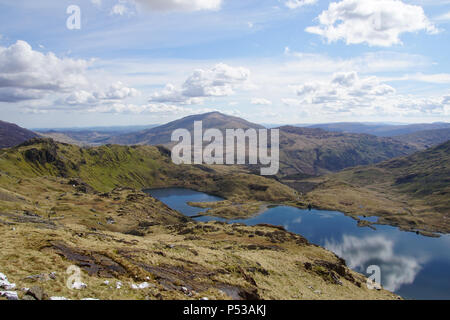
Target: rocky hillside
{"points": [[412, 192], [12, 135], [310, 151], [61, 205], [425, 139], [106, 167]]}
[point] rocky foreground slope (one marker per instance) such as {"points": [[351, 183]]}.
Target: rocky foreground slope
{"points": [[131, 246]]}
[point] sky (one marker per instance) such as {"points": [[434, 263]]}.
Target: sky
{"points": [[82, 63]]}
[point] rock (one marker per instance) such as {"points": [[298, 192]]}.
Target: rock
{"points": [[10, 295], [42, 277], [37, 293], [318, 292], [204, 298], [118, 285], [141, 286], [106, 283], [26, 297], [79, 285], [5, 284]]}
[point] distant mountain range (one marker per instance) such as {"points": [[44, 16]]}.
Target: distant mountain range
{"points": [[381, 130], [304, 151], [425, 139], [309, 151], [12, 135]]}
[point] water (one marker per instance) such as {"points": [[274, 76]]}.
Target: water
{"points": [[413, 266]]}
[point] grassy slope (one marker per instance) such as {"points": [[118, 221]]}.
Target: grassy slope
{"points": [[48, 219], [315, 151], [107, 167], [412, 192], [425, 139]]}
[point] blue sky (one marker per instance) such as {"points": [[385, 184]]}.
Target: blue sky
{"points": [[135, 62]]}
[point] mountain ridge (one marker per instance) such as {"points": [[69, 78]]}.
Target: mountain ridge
{"points": [[11, 134]]}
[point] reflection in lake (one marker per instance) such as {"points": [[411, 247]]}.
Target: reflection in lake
{"points": [[412, 265]]}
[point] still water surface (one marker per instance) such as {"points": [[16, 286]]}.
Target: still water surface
{"points": [[413, 266]]}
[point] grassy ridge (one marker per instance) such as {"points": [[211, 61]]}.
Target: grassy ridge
{"points": [[110, 166], [411, 192]]}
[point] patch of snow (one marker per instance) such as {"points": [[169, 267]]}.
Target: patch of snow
{"points": [[118, 285]]}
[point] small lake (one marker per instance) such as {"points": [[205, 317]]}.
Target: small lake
{"points": [[413, 266]]}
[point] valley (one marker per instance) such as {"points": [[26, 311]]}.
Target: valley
{"points": [[64, 204]]}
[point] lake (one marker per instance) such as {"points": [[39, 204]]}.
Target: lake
{"points": [[413, 266]]}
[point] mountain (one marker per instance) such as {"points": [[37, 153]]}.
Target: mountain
{"points": [[12, 135], [302, 150], [106, 167], [412, 192], [89, 136], [380, 129], [314, 151], [162, 134], [425, 139]]}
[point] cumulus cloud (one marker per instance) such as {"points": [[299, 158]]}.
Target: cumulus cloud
{"points": [[219, 81], [359, 253], [180, 5], [343, 88], [261, 101], [28, 74], [375, 22], [116, 91], [294, 4], [348, 93]]}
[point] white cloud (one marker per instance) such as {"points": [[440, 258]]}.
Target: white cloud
{"points": [[98, 3], [116, 91], [150, 108], [344, 88], [443, 17], [396, 270], [29, 74], [375, 22], [437, 78], [119, 9], [180, 5], [370, 62], [219, 81], [346, 93], [261, 101], [294, 4]]}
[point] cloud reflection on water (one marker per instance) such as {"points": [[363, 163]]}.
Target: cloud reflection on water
{"points": [[359, 253]]}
